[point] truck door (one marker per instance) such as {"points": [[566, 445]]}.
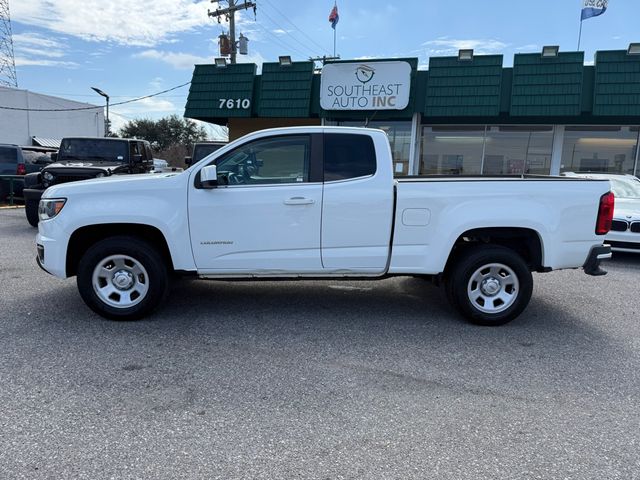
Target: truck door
{"points": [[357, 206], [264, 218]]}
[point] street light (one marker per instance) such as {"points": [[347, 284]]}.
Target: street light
{"points": [[106, 122]]}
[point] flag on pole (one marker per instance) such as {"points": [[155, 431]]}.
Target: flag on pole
{"points": [[593, 8], [334, 17]]}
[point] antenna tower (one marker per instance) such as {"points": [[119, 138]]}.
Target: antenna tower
{"points": [[8, 76]]}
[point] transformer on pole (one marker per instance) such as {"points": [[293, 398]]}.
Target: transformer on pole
{"points": [[8, 76], [229, 14]]}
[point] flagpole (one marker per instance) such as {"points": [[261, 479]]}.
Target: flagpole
{"points": [[580, 35], [335, 4], [334, 41]]}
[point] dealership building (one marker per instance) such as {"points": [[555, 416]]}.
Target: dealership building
{"points": [[466, 114]]}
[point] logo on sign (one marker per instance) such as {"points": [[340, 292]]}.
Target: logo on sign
{"points": [[375, 86], [364, 73]]}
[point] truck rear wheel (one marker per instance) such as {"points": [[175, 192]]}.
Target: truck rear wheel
{"points": [[31, 210], [489, 285], [122, 278]]}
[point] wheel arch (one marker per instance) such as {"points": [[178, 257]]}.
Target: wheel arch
{"points": [[526, 242], [84, 237]]}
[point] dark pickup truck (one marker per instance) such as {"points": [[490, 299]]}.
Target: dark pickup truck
{"points": [[84, 158]]}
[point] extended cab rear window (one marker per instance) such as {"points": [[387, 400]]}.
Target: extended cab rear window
{"points": [[348, 156]]}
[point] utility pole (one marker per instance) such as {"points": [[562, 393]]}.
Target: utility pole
{"points": [[230, 14]]}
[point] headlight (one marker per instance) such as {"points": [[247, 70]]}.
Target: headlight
{"points": [[48, 176], [99, 174], [50, 207]]}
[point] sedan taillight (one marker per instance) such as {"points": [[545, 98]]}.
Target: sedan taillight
{"points": [[22, 169]]}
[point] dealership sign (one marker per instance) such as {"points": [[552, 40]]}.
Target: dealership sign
{"points": [[365, 86]]}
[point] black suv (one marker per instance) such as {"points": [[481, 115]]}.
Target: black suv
{"points": [[83, 158], [18, 160]]}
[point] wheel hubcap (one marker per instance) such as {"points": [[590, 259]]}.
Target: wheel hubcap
{"points": [[493, 288], [490, 286], [120, 281], [123, 279]]}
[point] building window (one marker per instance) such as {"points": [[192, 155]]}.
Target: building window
{"points": [[455, 150], [486, 150], [399, 133], [516, 150], [599, 149]]}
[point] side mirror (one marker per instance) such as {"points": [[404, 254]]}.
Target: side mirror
{"points": [[209, 176], [188, 161], [54, 156], [136, 160]]}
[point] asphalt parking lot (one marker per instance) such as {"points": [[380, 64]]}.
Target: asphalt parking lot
{"points": [[324, 380]]}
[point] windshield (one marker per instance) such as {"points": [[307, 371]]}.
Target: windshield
{"points": [[625, 188], [93, 149]]}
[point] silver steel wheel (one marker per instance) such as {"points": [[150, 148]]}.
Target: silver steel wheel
{"points": [[120, 281], [493, 288]]}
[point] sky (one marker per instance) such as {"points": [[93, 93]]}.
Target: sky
{"points": [[131, 48]]}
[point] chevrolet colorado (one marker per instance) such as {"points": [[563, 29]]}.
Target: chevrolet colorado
{"points": [[319, 202]]}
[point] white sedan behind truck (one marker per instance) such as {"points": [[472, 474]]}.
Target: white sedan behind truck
{"points": [[625, 228], [320, 202]]}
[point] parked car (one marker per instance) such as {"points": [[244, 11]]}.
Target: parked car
{"points": [[83, 158], [20, 160], [159, 164], [320, 202], [201, 150], [625, 229]]}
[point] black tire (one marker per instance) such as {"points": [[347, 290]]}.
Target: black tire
{"points": [[155, 277], [503, 269], [31, 211]]}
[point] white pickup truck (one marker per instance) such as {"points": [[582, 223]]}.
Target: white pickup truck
{"points": [[319, 202]]}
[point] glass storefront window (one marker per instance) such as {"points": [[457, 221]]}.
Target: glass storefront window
{"points": [[399, 133], [455, 150], [513, 150], [599, 149], [486, 150]]}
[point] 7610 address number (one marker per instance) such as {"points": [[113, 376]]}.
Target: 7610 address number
{"points": [[234, 103]]}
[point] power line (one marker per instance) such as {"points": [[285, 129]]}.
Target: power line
{"points": [[295, 26], [94, 95], [278, 39], [93, 107], [298, 42]]}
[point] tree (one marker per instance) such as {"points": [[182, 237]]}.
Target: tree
{"points": [[165, 133]]}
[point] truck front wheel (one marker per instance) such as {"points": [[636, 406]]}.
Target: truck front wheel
{"points": [[122, 278], [489, 285]]}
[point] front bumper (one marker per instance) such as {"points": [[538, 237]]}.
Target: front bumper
{"points": [[597, 254], [624, 241], [51, 244]]}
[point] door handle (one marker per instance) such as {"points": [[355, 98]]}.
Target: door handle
{"points": [[299, 201]]}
